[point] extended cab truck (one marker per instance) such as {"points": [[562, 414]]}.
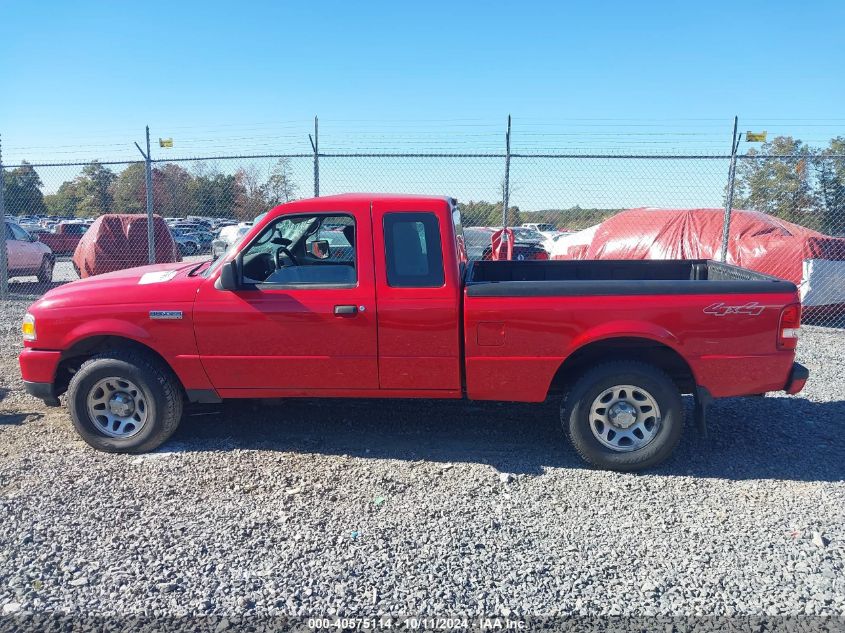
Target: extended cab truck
{"points": [[402, 314]]}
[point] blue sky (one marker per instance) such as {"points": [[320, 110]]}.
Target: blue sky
{"points": [[80, 80]]}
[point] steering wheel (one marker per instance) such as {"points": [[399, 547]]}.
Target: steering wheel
{"points": [[284, 250]]}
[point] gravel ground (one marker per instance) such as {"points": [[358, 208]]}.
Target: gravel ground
{"points": [[366, 507]]}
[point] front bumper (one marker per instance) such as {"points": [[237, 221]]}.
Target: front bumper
{"points": [[43, 390], [798, 376], [38, 371]]}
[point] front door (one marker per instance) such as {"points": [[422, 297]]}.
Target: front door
{"points": [[305, 318]]}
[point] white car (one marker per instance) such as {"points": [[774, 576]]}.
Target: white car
{"points": [[542, 227], [27, 257], [227, 236]]}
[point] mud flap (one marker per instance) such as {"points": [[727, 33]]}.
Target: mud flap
{"points": [[703, 400]]}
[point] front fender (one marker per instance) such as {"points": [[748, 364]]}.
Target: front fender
{"points": [[106, 327]]}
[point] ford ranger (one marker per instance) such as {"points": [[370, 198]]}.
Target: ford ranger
{"points": [[372, 296]]}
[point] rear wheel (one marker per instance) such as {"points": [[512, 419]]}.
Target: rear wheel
{"points": [[623, 416], [125, 401], [45, 273]]}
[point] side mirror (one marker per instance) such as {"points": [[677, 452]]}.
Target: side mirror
{"points": [[229, 276], [320, 249]]}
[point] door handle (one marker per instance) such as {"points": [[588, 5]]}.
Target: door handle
{"points": [[345, 310]]}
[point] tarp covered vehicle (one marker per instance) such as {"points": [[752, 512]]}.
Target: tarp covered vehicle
{"points": [[117, 241], [760, 242]]}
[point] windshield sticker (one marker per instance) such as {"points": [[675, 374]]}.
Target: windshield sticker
{"points": [[154, 278]]}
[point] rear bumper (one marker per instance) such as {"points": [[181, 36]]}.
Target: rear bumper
{"points": [[798, 376]]}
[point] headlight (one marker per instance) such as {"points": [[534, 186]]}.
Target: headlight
{"points": [[28, 327]]}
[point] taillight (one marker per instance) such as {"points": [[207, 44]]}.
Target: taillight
{"points": [[540, 255], [789, 327]]}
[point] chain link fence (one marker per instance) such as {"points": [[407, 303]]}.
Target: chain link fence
{"points": [[788, 218]]}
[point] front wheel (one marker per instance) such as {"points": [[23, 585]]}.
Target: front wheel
{"points": [[623, 416], [124, 401], [45, 272]]}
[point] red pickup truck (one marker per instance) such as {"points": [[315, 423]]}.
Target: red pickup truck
{"points": [[403, 314], [64, 237]]}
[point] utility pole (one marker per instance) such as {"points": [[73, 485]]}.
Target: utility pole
{"points": [[151, 247], [4, 262], [729, 199], [506, 184], [315, 145]]}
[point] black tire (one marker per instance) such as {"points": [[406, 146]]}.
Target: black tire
{"points": [[576, 407], [45, 273], [159, 386]]}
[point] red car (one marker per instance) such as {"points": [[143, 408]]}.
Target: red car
{"points": [[64, 237], [406, 316]]}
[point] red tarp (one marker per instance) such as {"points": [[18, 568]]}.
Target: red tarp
{"points": [[757, 241], [116, 241]]}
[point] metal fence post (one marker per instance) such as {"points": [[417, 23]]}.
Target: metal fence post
{"points": [[506, 183], [148, 165], [315, 146], [4, 262], [151, 240], [729, 200]]}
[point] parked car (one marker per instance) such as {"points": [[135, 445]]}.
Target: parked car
{"points": [[230, 234], [64, 236], [119, 241], [813, 261], [541, 227], [227, 236], [478, 244], [26, 256], [187, 243], [276, 317]]}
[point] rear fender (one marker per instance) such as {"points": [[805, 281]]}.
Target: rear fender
{"points": [[625, 329]]}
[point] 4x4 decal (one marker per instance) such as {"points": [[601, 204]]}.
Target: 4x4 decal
{"points": [[720, 309]]}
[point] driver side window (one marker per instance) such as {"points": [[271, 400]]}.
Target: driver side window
{"points": [[313, 250]]}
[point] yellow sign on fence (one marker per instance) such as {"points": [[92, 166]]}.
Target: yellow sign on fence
{"points": [[165, 142], [755, 137]]}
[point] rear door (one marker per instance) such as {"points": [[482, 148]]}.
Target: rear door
{"points": [[416, 266], [306, 319]]}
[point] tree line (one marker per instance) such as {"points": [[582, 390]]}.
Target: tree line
{"points": [[177, 192]]}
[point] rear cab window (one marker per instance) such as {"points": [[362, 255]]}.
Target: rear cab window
{"points": [[413, 250]]}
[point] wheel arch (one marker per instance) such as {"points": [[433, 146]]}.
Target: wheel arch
{"points": [[633, 348], [84, 348]]}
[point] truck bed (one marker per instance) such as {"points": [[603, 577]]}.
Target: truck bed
{"points": [[616, 277]]}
